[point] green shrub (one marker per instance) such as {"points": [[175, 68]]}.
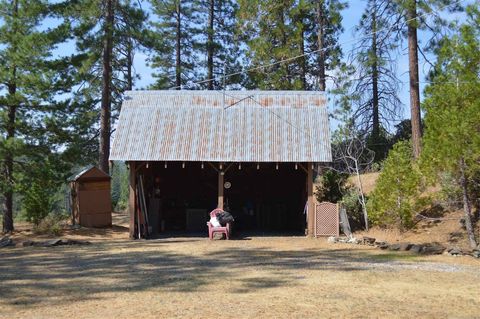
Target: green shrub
{"points": [[331, 187], [393, 199], [37, 203], [121, 206], [376, 167], [451, 193], [350, 201], [50, 225], [119, 186], [39, 188]]}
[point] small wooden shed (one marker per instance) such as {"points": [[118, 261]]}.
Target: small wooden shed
{"points": [[90, 198]]}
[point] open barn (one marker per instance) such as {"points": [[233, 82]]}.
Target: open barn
{"points": [[252, 153]]}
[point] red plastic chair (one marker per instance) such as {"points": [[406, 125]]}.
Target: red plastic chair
{"points": [[222, 229]]}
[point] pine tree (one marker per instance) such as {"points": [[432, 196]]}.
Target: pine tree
{"points": [[30, 80], [411, 8], [393, 200], [327, 27], [413, 14], [176, 42], [452, 107], [106, 98], [108, 33], [119, 189], [267, 27], [375, 88], [280, 31], [219, 43]]}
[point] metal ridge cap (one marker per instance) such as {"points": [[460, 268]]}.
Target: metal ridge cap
{"points": [[252, 106], [220, 92]]}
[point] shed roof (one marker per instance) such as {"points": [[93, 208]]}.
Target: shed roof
{"points": [[231, 126], [89, 172]]}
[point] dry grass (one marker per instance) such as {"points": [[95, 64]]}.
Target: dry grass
{"points": [[368, 181], [259, 277], [119, 230], [446, 231]]}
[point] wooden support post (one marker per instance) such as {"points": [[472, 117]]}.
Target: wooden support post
{"points": [[221, 175], [131, 198], [310, 202]]}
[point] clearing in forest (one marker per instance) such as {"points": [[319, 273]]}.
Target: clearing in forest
{"points": [[257, 277]]}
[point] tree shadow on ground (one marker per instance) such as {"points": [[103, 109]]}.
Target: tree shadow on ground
{"points": [[31, 275], [236, 235]]}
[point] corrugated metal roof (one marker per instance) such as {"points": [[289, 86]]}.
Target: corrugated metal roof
{"points": [[231, 126]]}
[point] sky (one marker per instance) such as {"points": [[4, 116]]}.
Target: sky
{"points": [[351, 17]]}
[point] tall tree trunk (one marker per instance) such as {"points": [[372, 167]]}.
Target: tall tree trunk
{"points": [[375, 114], [303, 60], [211, 15], [8, 164], [129, 65], [414, 79], [178, 37], [9, 154], [284, 40], [321, 45], [467, 209], [106, 87]]}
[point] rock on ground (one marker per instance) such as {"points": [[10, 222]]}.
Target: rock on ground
{"points": [[54, 242], [455, 251], [433, 249], [6, 241]]}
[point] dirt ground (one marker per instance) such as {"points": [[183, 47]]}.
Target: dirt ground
{"points": [[253, 277], [447, 232]]}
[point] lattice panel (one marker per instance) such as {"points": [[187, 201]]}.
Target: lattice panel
{"points": [[326, 219]]}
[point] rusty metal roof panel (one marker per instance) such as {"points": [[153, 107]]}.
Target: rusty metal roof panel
{"points": [[232, 126]]}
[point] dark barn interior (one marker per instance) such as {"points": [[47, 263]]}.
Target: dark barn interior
{"points": [[263, 197], [267, 198]]}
